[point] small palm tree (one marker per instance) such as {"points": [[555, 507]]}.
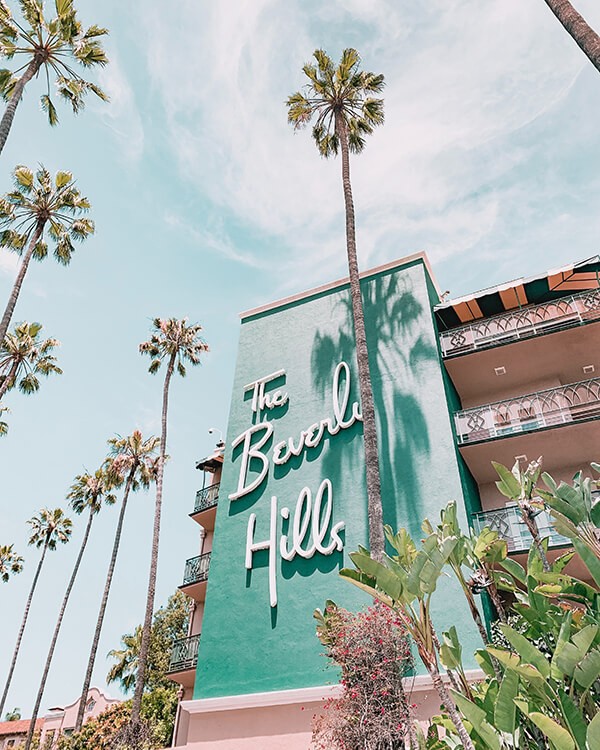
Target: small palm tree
{"points": [[13, 715], [48, 528], [87, 493], [174, 342], [38, 203], [581, 32], [340, 99], [54, 45], [24, 356], [125, 668], [10, 564], [132, 460]]}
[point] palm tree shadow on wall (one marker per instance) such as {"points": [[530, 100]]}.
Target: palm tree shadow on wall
{"points": [[399, 347]]}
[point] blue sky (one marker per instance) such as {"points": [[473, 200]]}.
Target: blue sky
{"points": [[206, 204]]}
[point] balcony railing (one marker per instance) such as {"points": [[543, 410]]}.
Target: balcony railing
{"points": [[206, 498], [567, 403], [509, 524], [184, 654], [196, 569], [522, 323]]}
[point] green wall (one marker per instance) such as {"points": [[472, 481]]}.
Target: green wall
{"points": [[246, 645]]}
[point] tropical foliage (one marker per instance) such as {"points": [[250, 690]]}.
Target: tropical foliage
{"points": [[10, 564], [35, 42], [41, 208], [372, 651], [341, 102], [542, 685], [24, 356]]}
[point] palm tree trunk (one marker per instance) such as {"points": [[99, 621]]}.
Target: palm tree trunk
{"points": [[22, 628], [374, 507], [4, 385], [145, 645], [579, 29], [11, 107], [109, 576], [61, 614], [450, 707], [535, 534], [14, 295]]}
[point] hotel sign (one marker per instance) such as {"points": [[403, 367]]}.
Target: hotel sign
{"points": [[309, 523]]}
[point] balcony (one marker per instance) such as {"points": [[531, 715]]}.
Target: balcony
{"points": [[196, 576], [205, 507], [522, 323], [184, 658], [567, 404], [510, 526], [206, 498]]}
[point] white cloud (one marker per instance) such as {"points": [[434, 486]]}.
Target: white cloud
{"points": [[121, 114], [461, 76], [9, 262]]}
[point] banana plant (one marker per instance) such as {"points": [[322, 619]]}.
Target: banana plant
{"points": [[575, 510], [406, 582], [521, 487]]}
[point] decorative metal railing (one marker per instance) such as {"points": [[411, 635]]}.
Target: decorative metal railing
{"points": [[184, 653], [554, 406], [206, 498], [196, 569], [509, 524], [522, 323]]}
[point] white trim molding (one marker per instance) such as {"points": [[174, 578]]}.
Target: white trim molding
{"points": [[414, 684]]}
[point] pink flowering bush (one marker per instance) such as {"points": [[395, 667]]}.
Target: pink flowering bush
{"points": [[372, 650]]}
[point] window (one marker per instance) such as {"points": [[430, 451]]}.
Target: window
{"points": [[90, 705]]}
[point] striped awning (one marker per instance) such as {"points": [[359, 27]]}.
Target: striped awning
{"points": [[571, 279]]}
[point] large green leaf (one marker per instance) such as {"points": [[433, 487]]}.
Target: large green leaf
{"points": [[563, 637], [505, 712], [588, 669], [526, 650], [515, 569], [592, 563], [573, 719], [593, 733], [508, 485], [479, 721], [559, 737]]}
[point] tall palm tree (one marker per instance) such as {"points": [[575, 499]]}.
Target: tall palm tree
{"points": [[87, 493], [132, 460], [174, 342], [38, 203], [10, 563], [341, 101], [48, 528], [575, 24], [24, 356], [53, 45]]}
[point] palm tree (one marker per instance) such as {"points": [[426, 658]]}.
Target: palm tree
{"points": [[3, 425], [38, 202], [125, 668], [48, 528], [175, 342], [24, 356], [340, 99], [132, 460], [50, 44], [575, 24], [86, 493], [10, 563]]}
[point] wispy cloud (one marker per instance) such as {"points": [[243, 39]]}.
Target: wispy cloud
{"points": [[121, 114], [463, 77], [213, 237]]}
